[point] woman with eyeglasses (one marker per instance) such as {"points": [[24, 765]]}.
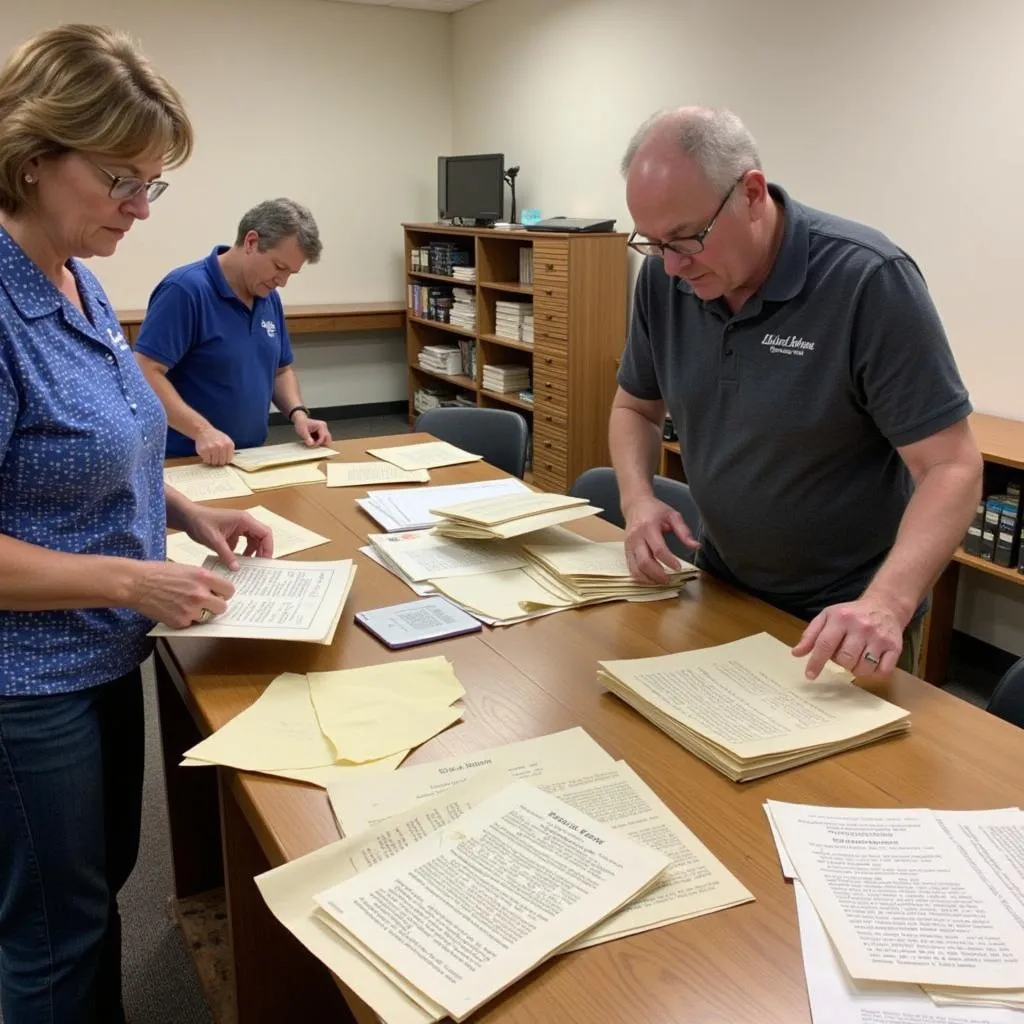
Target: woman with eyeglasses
{"points": [[86, 129]]}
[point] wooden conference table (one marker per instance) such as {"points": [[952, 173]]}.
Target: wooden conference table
{"points": [[739, 966]]}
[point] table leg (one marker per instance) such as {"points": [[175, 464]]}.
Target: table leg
{"points": [[276, 978], [938, 627], [192, 809]]}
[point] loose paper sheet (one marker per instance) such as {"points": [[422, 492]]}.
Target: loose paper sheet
{"points": [[428, 455], [254, 459], [492, 511], [284, 476], [300, 601], [409, 508], [363, 474], [511, 882], [338, 775], [912, 895], [422, 556], [289, 538], [206, 483]]}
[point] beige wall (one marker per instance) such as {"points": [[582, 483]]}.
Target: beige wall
{"points": [[344, 108], [901, 113]]}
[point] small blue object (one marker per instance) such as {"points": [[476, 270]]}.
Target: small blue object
{"points": [[529, 217]]}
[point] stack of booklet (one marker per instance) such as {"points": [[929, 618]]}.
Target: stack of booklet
{"points": [[513, 320], [252, 460], [747, 709], [299, 601], [907, 915], [509, 515], [598, 570], [505, 378], [333, 727], [441, 358], [401, 510], [470, 872]]}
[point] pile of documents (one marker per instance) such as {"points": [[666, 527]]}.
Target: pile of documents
{"points": [[360, 474], [512, 515], [299, 601], [463, 311], [526, 858], [400, 510], [505, 377], [331, 727], [252, 460], [441, 359], [513, 320], [907, 915], [428, 455], [501, 582], [598, 570], [289, 538], [747, 709]]}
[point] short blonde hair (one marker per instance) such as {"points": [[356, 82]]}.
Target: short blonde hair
{"points": [[86, 88]]}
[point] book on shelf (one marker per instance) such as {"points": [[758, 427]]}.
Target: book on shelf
{"points": [[446, 259], [505, 378], [441, 358], [1008, 535], [990, 526], [526, 395], [526, 265]]}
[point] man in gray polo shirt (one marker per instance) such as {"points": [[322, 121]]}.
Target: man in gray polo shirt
{"points": [[820, 412]]}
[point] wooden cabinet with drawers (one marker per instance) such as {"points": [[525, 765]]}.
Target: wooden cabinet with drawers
{"points": [[578, 295]]}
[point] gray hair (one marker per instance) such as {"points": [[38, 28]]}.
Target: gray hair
{"points": [[274, 220], [717, 140]]}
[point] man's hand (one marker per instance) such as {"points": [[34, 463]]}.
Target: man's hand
{"points": [[647, 522], [220, 529], [864, 636], [313, 432], [178, 595], [214, 447]]}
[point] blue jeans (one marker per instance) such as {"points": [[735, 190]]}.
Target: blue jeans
{"points": [[70, 807]]}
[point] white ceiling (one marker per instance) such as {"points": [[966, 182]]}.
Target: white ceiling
{"points": [[445, 6]]}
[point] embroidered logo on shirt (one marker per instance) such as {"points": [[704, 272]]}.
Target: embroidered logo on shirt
{"points": [[270, 327], [789, 346]]}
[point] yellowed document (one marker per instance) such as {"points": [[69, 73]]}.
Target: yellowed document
{"points": [[420, 555], [278, 730], [289, 538], [373, 712], [492, 895], [514, 527], [428, 455], [363, 474], [253, 459], [206, 483], [283, 476], [492, 511], [500, 596], [914, 895], [748, 703], [298, 601], [340, 776], [360, 808]]}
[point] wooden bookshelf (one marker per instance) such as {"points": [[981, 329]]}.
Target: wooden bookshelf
{"points": [[1008, 573], [579, 291]]}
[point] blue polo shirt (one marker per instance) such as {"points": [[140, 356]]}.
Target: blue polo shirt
{"points": [[81, 470], [223, 356]]}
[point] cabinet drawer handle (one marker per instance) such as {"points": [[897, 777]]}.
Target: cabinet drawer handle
{"points": [[548, 419], [549, 267], [547, 359], [549, 316], [547, 383]]}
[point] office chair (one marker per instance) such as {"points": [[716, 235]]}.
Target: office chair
{"points": [[1007, 700], [600, 488], [501, 436]]}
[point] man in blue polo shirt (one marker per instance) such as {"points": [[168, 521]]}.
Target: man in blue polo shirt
{"points": [[822, 420], [214, 345]]}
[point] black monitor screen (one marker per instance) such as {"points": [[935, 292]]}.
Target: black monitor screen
{"points": [[474, 186]]}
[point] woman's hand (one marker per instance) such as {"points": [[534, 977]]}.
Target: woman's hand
{"points": [[178, 595], [219, 529]]}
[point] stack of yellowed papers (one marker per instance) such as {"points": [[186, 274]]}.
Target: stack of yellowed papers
{"points": [[510, 515], [283, 476], [199, 482], [331, 727], [428, 455], [299, 601], [289, 538], [363, 474], [494, 831], [251, 460], [421, 555], [910, 914], [747, 709], [598, 569]]}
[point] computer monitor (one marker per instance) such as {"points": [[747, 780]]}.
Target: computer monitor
{"points": [[471, 187]]}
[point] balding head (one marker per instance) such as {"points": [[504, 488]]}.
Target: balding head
{"points": [[717, 141]]}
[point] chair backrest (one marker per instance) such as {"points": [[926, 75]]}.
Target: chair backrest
{"points": [[501, 436], [1007, 700], [600, 488]]}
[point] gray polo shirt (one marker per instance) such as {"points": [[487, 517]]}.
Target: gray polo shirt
{"points": [[790, 411]]}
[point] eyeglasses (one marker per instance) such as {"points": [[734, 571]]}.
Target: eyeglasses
{"points": [[689, 245], [128, 187]]}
